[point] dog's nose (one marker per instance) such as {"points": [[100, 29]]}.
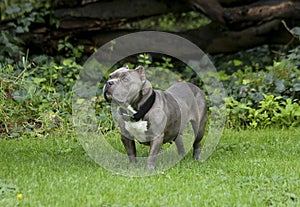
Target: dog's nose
{"points": [[110, 83]]}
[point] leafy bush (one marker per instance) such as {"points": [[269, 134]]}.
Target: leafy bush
{"points": [[281, 79], [36, 100], [261, 97], [266, 97], [271, 111], [70, 50], [24, 14]]}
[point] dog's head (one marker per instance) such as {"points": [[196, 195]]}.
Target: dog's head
{"points": [[126, 86]]}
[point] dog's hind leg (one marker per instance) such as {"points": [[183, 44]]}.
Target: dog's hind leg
{"points": [[199, 124], [155, 146], [180, 145], [197, 145], [199, 133]]}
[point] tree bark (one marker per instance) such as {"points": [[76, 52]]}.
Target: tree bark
{"points": [[260, 12]]}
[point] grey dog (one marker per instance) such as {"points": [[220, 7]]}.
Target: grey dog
{"points": [[154, 117]]}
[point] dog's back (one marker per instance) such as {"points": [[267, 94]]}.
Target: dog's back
{"points": [[190, 97]]}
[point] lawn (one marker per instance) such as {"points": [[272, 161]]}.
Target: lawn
{"points": [[249, 168]]}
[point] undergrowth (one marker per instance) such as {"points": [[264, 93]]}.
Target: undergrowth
{"points": [[36, 96]]}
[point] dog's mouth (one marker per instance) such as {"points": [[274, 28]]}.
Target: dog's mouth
{"points": [[107, 96]]}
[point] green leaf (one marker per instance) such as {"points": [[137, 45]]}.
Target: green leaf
{"points": [[237, 62], [20, 29], [11, 24], [69, 45], [67, 62], [280, 86], [246, 81], [269, 78], [296, 87], [20, 95], [60, 47], [37, 81], [296, 31], [28, 7], [13, 9]]}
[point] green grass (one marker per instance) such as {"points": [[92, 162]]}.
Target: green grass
{"points": [[249, 168]]}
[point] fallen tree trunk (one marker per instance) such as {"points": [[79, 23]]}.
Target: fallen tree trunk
{"points": [[218, 40], [236, 24], [261, 12]]}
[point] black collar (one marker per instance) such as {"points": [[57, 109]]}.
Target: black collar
{"points": [[144, 108]]}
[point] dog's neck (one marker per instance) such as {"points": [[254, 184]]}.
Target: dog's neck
{"points": [[142, 103], [145, 107], [141, 99], [144, 94]]}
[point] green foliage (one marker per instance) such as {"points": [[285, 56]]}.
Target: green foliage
{"points": [[21, 15], [10, 48], [281, 79], [264, 98], [255, 59], [144, 59], [296, 32], [25, 14], [55, 77], [15, 9], [271, 111], [171, 22], [70, 50], [35, 91], [36, 100]]}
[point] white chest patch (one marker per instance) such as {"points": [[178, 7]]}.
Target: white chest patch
{"points": [[137, 129]]}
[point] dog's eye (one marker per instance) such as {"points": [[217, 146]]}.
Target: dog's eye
{"points": [[124, 78]]}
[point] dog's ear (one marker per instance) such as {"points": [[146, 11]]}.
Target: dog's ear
{"points": [[147, 87], [140, 69]]}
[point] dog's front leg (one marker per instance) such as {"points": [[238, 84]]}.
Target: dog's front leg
{"points": [[130, 148], [155, 146]]}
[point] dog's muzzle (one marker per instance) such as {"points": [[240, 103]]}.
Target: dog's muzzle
{"points": [[105, 96], [106, 92]]}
